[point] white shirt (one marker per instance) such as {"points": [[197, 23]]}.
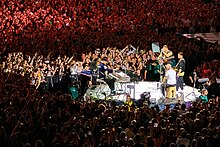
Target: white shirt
{"points": [[171, 77]]}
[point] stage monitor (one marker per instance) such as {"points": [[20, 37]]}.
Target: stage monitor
{"points": [[155, 47]]}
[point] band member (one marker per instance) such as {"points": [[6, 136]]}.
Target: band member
{"points": [[169, 79], [167, 55], [180, 67], [103, 72]]}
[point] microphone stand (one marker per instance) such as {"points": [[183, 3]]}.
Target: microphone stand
{"points": [[161, 64]]}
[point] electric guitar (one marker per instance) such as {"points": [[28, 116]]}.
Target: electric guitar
{"points": [[180, 74], [176, 69], [165, 59]]}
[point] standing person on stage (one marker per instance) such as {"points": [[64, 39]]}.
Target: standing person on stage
{"points": [[180, 67], [167, 55], [169, 79], [104, 71]]}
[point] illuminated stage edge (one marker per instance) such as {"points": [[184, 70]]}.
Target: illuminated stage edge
{"points": [[135, 89]]}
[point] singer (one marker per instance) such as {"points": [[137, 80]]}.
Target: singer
{"points": [[169, 79], [166, 55]]}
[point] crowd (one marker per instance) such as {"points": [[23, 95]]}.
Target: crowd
{"points": [[55, 119], [42, 40], [104, 14], [45, 71], [201, 57], [43, 25], [61, 73]]}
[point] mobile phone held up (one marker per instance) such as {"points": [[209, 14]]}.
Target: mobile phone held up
{"points": [[155, 125]]}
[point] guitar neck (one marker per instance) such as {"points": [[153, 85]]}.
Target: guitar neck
{"points": [[172, 57]]}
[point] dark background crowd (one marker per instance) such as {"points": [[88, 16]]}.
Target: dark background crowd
{"points": [[55, 119], [72, 28], [69, 26]]}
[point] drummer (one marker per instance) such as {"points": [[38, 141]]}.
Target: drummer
{"points": [[103, 72]]}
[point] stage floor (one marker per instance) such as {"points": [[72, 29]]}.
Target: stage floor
{"points": [[135, 89]]}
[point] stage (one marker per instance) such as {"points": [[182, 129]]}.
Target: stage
{"points": [[135, 89]]}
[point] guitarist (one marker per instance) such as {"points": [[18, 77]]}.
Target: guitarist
{"points": [[166, 55], [180, 68]]}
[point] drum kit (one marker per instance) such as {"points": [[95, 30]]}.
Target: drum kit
{"points": [[100, 89], [80, 80]]}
